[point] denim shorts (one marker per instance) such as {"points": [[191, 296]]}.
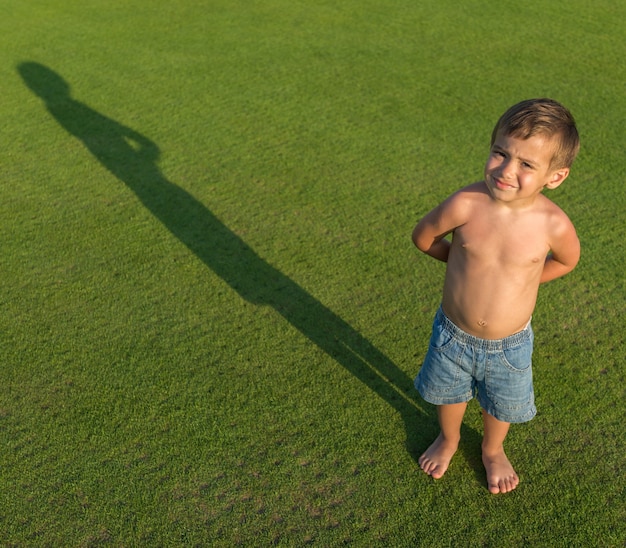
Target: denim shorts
{"points": [[459, 366]]}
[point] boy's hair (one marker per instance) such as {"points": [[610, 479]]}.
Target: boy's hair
{"points": [[542, 117]]}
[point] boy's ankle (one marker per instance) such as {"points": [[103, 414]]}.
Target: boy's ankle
{"points": [[488, 449], [450, 439]]}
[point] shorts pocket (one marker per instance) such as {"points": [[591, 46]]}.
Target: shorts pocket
{"points": [[518, 358], [509, 382], [441, 338], [438, 376]]}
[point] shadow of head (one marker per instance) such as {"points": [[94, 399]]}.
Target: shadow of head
{"points": [[44, 82]]}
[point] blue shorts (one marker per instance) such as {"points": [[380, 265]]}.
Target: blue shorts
{"points": [[459, 366]]}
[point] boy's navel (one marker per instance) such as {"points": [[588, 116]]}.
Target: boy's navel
{"points": [[482, 323]]}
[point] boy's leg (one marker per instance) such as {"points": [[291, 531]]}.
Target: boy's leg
{"points": [[436, 458], [501, 478]]}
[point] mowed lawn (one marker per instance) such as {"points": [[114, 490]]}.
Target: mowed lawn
{"points": [[212, 312]]}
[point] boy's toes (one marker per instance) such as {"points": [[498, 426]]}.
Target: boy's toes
{"points": [[436, 458], [503, 485], [501, 477]]}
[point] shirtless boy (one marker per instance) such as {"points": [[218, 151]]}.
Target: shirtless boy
{"points": [[507, 238]]}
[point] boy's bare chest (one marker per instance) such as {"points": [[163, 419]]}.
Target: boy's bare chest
{"points": [[503, 240]]}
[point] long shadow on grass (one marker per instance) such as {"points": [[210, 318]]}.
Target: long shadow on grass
{"points": [[132, 158]]}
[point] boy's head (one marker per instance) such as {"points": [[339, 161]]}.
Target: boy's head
{"points": [[542, 117]]}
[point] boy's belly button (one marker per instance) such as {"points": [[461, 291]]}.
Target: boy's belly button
{"points": [[482, 323]]}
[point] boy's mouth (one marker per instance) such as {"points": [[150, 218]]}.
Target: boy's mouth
{"points": [[502, 185]]}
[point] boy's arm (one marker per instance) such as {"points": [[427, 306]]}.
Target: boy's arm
{"points": [[564, 252], [429, 234]]}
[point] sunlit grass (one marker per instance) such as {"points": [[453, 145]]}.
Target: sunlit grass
{"points": [[212, 311]]}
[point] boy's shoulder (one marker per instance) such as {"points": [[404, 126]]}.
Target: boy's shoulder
{"points": [[477, 191], [466, 199], [557, 221], [471, 195], [546, 208]]}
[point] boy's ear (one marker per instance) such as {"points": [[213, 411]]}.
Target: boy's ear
{"points": [[557, 178]]}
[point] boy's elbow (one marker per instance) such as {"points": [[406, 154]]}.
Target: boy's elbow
{"points": [[421, 244], [422, 247], [418, 240]]}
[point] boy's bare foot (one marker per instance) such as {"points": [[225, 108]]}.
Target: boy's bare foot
{"points": [[501, 478], [436, 458]]}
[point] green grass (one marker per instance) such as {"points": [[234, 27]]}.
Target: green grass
{"points": [[211, 309]]}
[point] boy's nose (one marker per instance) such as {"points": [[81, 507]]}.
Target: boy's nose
{"points": [[508, 170]]}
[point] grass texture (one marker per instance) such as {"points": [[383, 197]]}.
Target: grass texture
{"points": [[211, 309]]}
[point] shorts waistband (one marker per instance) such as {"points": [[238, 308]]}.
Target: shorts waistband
{"points": [[487, 344]]}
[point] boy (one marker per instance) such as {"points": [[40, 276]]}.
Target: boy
{"points": [[507, 238]]}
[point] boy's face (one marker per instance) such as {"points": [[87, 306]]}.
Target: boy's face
{"points": [[517, 170]]}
